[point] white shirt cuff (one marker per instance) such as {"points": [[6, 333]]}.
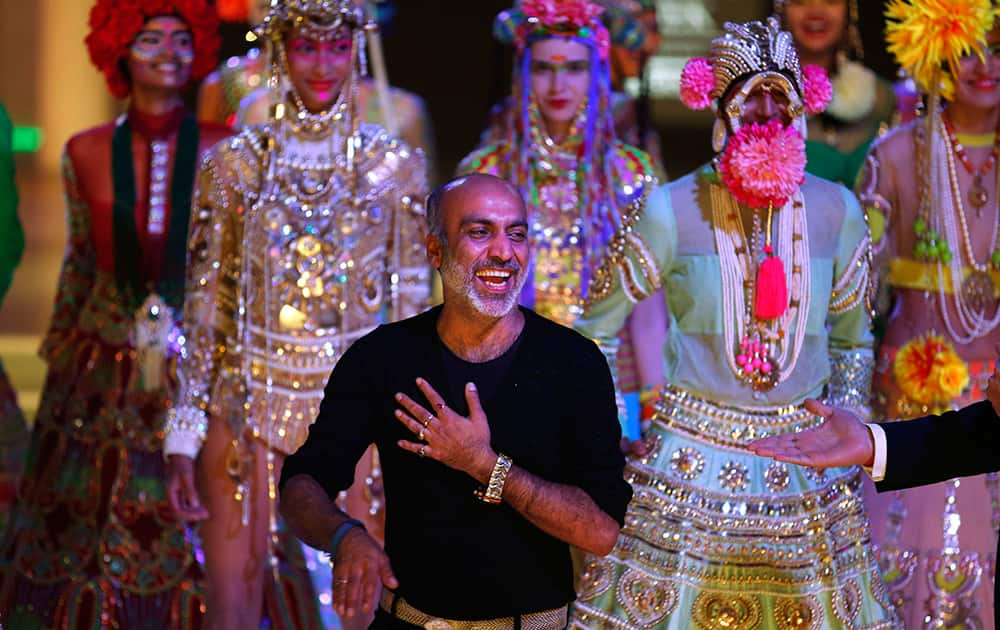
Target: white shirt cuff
{"points": [[185, 429], [877, 471], [182, 443]]}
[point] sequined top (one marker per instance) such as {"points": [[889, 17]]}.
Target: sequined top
{"points": [[291, 260], [670, 244], [558, 228]]}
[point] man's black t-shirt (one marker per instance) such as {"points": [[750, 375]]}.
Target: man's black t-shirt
{"points": [[552, 410], [487, 375]]}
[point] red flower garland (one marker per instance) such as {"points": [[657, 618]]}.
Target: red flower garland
{"points": [[115, 23]]}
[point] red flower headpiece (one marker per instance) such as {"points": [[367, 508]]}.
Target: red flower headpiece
{"points": [[115, 23], [567, 18], [233, 10]]}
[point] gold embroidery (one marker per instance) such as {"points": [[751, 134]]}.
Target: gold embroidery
{"points": [[776, 477], [734, 476], [687, 463], [805, 613], [595, 579], [624, 245], [647, 600], [855, 283], [726, 611], [847, 602]]}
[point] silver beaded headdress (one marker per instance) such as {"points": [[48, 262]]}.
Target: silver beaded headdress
{"points": [[751, 55], [318, 18]]}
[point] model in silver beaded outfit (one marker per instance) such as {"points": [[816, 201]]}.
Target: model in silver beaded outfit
{"points": [[306, 234]]}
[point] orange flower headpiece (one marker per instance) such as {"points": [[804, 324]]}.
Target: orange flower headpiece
{"points": [[115, 23], [745, 57], [925, 35]]}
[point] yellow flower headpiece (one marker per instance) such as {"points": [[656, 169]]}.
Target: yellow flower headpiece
{"points": [[924, 35]]}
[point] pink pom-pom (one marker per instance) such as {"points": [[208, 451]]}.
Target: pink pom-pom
{"points": [[697, 82], [763, 165], [817, 89]]}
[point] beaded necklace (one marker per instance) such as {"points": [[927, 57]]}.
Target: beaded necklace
{"points": [[155, 301], [762, 353], [978, 196], [127, 243], [974, 296]]}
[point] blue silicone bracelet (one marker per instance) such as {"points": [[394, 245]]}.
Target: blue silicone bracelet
{"points": [[338, 535]]}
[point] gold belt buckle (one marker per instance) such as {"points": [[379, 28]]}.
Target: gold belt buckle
{"points": [[437, 624]]}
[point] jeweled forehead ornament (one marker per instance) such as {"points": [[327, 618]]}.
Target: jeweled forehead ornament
{"points": [[751, 56], [316, 19], [748, 57]]}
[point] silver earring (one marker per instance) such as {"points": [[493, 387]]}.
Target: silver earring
{"points": [[718, 135]]}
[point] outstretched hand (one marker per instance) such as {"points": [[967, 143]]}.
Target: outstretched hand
{"points": [[842, 440]]}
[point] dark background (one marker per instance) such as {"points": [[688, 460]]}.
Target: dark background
{"points": [[443, 50]]}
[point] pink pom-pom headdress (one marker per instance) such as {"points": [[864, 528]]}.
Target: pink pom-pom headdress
{"points": [[746, 57], [697, 81]]}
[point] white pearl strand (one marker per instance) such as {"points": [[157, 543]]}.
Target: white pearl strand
{"points": [[792, 245], [159, 168], [972, 324]]}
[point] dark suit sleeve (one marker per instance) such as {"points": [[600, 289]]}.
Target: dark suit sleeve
{"points": [[344, 426], [937, 448], [593, 435]]}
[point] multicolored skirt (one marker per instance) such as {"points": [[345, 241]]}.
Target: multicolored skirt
{"points": [[718, 538], [93, 541], [936, 544]]}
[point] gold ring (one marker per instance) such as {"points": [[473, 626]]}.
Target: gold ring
{"points": [[421, 453], [420, 436], [428, 419]]}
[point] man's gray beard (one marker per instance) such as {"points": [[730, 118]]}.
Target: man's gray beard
{"points": [[460, 280]]}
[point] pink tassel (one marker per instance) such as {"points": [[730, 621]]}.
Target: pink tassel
{"points": [[771, 297]]}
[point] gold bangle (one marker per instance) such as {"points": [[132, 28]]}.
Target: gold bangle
{"points": [[493, 493]]}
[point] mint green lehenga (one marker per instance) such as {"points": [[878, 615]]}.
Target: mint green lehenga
{"points": [[716, 537]]}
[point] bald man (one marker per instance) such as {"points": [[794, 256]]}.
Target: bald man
{"points": [[498, 437]]}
